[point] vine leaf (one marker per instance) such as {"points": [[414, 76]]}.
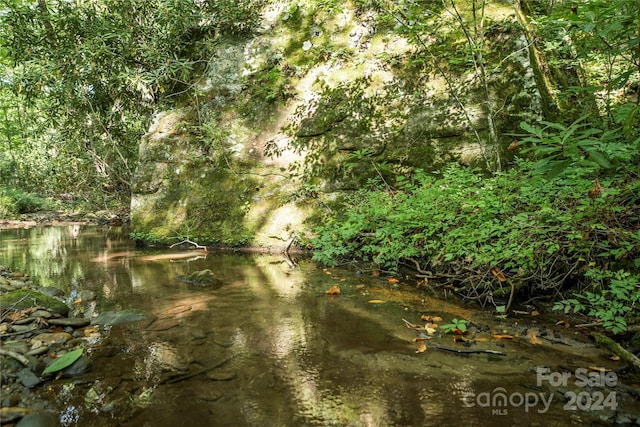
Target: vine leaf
{"points": [[63, 361]]}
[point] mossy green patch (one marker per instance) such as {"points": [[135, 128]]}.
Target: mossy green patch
{"points": [[26, 298]]}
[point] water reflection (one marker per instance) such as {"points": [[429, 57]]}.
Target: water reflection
{"points": [[268, 347]]}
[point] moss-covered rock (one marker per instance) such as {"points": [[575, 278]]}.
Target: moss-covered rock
{"points": [[25, 298], [316, 103], [204, 278]]}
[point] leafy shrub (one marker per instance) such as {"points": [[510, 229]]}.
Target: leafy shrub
{"points": [[14, 202], [614, 296], [540, 233]]}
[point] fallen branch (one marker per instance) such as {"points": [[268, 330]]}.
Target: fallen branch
{"points": [[195, 245], [617, 349], [466, 351], [20, 358]]}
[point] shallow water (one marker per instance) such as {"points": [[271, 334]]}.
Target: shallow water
{"points": [[269, 348]]}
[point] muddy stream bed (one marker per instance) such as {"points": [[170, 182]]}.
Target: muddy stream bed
{"points": [[261, 343]]}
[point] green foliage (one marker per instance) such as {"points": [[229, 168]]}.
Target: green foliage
{"points": [[558, 147], [63, 361], [81, 80], [614, 296], [458, 324], [15, 201], [539, 232]]}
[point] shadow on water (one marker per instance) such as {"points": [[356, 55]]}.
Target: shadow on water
{"points": [[269, 347]]}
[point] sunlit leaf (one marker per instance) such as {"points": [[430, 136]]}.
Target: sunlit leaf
{"points": [[63, 361], [498, 274], [502, 337], [334, 290], [533, 337], [434, 319], [431, 328]]}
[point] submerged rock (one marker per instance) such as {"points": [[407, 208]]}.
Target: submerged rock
{"points": [[202, 278], [117, 317], [38, 419]]}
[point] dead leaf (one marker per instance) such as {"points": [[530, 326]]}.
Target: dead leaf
{"points": [[615, 357], [334, 290], [535, 313], [498, 274], [533, 337], [431, 328], [360, 287], [325, 271], [392, 280], [597, 190], [502, 336], [427, 318], [376, 301], [513, 145], [90, 331], [375, 273], [422, 348], [599, 369]]}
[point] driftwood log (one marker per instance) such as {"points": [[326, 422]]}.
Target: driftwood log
{"points": [[617, 349]]}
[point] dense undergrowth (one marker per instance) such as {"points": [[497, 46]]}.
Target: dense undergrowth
{"points": [[566, 220], [15, 201]]}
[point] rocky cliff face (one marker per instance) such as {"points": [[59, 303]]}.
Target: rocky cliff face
{"points": [[317, 102]]}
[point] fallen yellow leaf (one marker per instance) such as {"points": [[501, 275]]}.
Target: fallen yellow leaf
{"points": [[422, 348], [376, 301], [502, 337], [334, 290], [533, 337]]}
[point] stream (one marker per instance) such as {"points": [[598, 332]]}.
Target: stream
{"points": [[267, 346]]}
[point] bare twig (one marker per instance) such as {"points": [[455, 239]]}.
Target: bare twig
{"points": [[20, 358]]}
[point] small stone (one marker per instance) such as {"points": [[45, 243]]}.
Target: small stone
{"points": [[38, 419], [37, 351], [28, 378], [79, 367], [22, 328], [75, 322], [41, 313], [50, 338]]}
